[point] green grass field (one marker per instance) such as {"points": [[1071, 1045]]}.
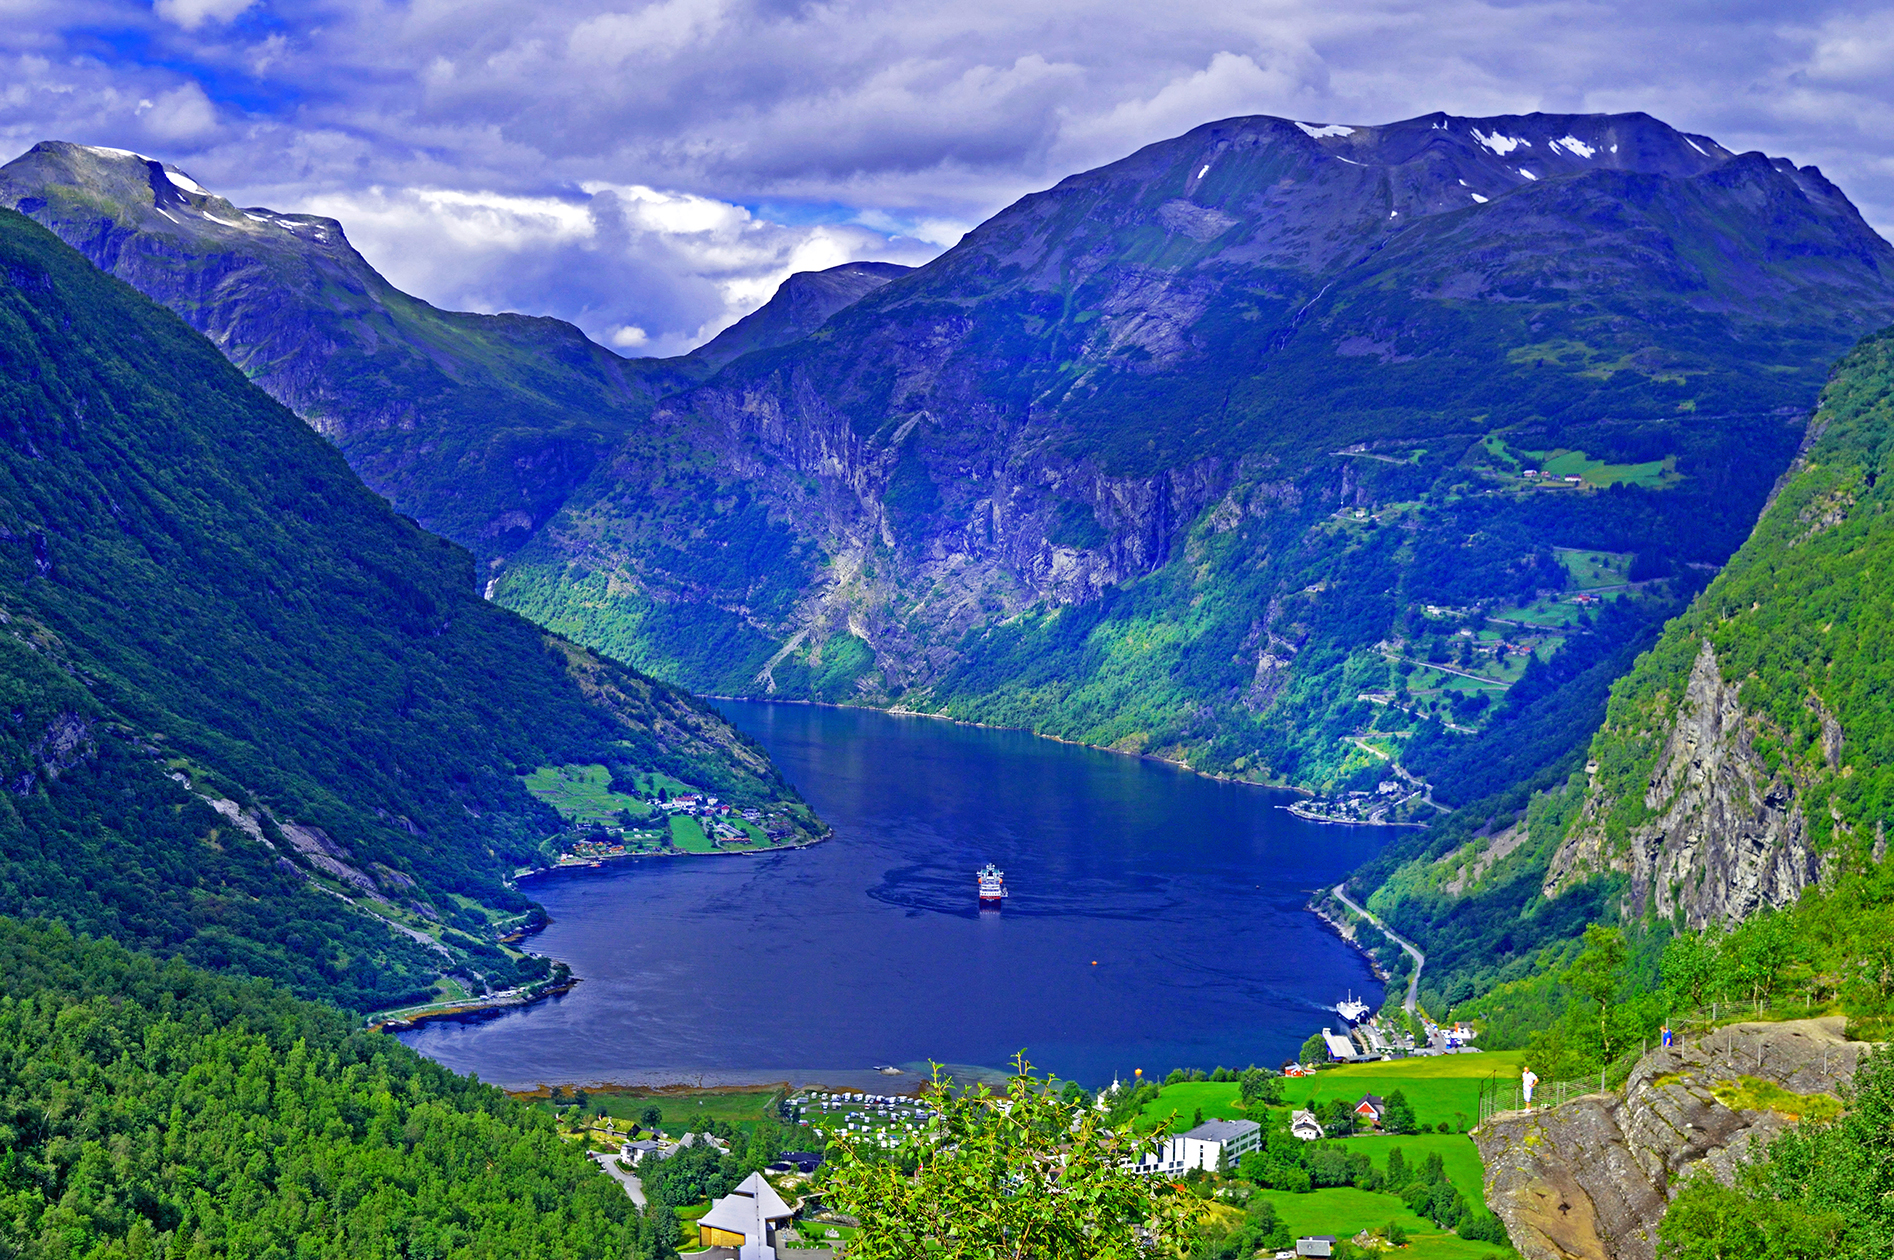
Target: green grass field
{"points": [[684, 1112], [1544, 612], [1653, 475], [1444, 1088], [582, 794], [1345, 1211], [1438, 1088], [688, 834], [1595, 568]]}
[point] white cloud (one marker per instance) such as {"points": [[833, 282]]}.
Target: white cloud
{"points": [[1230, 84], [191, 14], [183, 113], [662, 29], [882, 119], [638, 268]]}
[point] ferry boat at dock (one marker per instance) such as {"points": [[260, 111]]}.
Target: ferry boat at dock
{"points": [[1352, 1009], [992, 886]]}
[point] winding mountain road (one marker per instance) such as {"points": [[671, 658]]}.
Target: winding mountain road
{"points": [[1420, 959]]}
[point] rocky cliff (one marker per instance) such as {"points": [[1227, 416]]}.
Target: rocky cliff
{"points": [[1725, 833], [1590, 1179], [1748, 753]]}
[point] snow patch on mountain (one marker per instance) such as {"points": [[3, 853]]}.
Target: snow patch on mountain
{"points": [[1499, 142], [1325, 130], [1572, 144]]}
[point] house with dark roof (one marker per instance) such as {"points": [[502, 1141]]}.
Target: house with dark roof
{"points": [[1371, 1108]]}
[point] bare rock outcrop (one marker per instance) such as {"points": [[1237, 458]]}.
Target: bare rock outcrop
{"points": [[1590, 1180], [1728, 837]]}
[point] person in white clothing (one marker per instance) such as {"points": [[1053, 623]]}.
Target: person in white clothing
{"points": [[1526, 1081]]}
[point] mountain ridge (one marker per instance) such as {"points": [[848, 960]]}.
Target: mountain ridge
{"points": [[257, 718], [980, 485], [475, 425], [1134, 406]]}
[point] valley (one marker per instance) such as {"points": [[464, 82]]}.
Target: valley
{"points": [[1510, 489]]}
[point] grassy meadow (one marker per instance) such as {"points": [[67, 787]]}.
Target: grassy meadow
{"points": [[1440, 1089]]}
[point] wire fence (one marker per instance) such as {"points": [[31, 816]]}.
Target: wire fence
{"points": [[1723, 1047]]}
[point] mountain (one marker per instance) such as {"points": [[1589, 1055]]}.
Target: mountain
{"points": [[255, 718], [477, 426], [1744, 762], [1229, 452], [801, 304]]}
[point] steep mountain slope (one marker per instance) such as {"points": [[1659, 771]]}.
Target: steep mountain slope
{"points": [[476, 425], [254, 716], [1229, 451], [802, 304], [1753, 747], [1745, 757]]}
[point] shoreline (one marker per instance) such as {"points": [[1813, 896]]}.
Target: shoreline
{"points": [[1216, 776], [598, 863], [1347, 932], [759, 1082], [1297, 808], [401, 1019]]}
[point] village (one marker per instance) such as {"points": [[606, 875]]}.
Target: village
{"points": [[742, 1170], [650, 815]]}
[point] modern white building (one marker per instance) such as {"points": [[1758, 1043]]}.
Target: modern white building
{"points": [[1339, 1046], [1211, 1145]]}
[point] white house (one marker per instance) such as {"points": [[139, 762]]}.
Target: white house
{"points": [[1304, 1125], [745, 1218], [1212, 1145]]}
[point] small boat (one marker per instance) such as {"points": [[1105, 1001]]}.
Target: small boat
{"points": [[992, 886]]}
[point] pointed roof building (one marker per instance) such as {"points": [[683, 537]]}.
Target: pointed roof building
{"points": [[743, 1218]]}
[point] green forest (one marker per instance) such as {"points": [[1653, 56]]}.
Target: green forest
{"points": [[200, 602], [1585, 979], [152, 1111]]}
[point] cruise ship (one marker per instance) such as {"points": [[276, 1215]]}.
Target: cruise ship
{"points": [[992, 886]]}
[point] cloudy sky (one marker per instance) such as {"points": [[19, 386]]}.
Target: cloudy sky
{"points": [[652, 170]]}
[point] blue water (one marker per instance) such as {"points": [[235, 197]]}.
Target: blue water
{"points": [[1155, 920]]}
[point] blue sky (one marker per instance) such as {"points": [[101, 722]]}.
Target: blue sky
{"points": [[652, 170]]}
